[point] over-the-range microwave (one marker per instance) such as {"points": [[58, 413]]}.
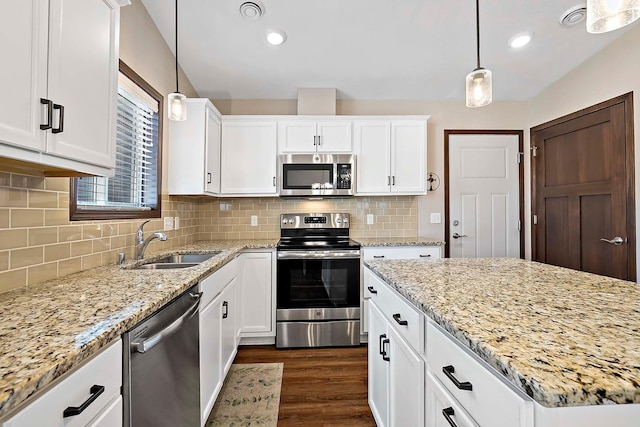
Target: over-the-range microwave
{"points": [[317, 175]]}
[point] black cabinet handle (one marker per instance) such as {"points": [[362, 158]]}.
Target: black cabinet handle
{"points": [[225, 309], [385, 355], [49, 105], [449, 371], [396, 317], [393, 180], [60, 127], [95, 390], [208, 177], [448, 413], [372, 290], [378, 256], [381, 344], [425, 256]]}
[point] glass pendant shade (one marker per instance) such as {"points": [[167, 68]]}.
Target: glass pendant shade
{"points": [[177, 106], [609, 15], [479, 88]]}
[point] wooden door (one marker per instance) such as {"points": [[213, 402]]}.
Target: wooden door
{"points": [[583, 190], [484, 193]]}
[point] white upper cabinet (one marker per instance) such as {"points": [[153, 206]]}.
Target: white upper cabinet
{"points": [[248, 158], [310, 136], [58, 106], [391, 156], [194, 150]]}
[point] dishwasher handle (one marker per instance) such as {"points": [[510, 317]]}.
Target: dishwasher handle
{"points": [[148, 344]]}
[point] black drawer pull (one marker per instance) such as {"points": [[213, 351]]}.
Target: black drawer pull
{"points": [[448, 371], [378, 256], [49, 105], [385, 355], [60, 127], [448, 413], [372, 290], [425, 256], [208, 177], [225, 309], [383, 336], [95, 390], [396, 317]]}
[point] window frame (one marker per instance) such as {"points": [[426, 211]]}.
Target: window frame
{"points": [[105, 214]]}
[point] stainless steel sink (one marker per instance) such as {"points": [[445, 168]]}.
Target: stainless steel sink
{"points": [[176, 261]]}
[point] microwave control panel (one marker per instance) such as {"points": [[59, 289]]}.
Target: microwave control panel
{"points": [[344, 176]]}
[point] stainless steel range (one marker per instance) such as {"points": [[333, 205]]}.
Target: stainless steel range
{"points": [[318, 286]]}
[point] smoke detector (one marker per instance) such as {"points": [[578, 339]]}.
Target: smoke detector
{"points": [[251, 10], [574, 15]]}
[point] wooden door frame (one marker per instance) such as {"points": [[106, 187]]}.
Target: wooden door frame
{"points": [[520, 135], [627, 100]]}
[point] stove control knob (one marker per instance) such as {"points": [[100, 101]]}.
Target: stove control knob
{"points": [[290, 220], [345, 221], [338, 221], [284, 220]]}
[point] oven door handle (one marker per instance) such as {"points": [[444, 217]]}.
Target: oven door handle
{"points": [[313, 254]]}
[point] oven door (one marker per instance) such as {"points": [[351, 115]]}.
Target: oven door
{"points": [[318, 279]]}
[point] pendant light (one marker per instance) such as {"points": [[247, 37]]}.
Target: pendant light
{"points": [[609, 15], [177, 101], [479, 86]]}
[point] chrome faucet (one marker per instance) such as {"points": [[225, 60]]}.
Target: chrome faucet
{"points": [[142, 243]]}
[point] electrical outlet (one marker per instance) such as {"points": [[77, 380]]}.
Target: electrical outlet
{"points": [[176, 223], [369, 219], [225, 206], [168, 223], [254, 220], [436, 218]]}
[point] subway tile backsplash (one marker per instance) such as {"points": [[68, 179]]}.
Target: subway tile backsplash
{"points": [[38, 242]]}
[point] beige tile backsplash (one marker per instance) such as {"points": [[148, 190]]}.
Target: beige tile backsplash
{"points": [[38, 242]]}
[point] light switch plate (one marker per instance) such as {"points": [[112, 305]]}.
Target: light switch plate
{"points": [[369, 219], [254, 220], [168, 223], [436, 218], [176, 223]]}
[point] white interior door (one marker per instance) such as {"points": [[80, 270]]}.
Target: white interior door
{"points": [[483, 196]]}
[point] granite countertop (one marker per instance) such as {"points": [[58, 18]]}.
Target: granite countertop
{"points": [[399, 241], [566, 338], [48, 329]]}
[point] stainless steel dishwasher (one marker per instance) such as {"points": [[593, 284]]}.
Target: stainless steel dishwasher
{"points": [[161, 384]]}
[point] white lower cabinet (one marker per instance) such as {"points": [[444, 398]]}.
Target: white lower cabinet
{"points": [[396, 370], [257, 295], [89, 396], [218, 333], [441, 408]]}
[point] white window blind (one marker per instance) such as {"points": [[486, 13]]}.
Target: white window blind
{"points": [[134, 185]]}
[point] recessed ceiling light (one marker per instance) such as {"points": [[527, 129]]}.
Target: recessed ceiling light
{"points": [[276, 37], [520, 40]]}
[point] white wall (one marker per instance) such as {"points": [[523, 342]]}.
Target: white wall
{"points": [[613, 71]]}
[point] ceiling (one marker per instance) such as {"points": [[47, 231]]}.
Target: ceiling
{"points": [[373, 49]]}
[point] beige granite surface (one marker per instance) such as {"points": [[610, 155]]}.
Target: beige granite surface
{"points": [[566, 338], [399, 241], [48, 329]]}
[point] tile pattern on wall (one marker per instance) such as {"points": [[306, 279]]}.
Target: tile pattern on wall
{"points": [[38, 242], [394, 216]]}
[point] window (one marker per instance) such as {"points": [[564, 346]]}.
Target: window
{"points": [[134, 190]]}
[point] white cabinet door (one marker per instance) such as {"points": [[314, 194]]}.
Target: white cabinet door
{"points": [[83, 71], [406, 383], [212, 173], [248, 158], [256, 294], [210, 356], [111, 417], [297, 137], [334, 136], [408, 156], [229, 308], [372, 147], [23, 78], [440, 407], [378, 376]]}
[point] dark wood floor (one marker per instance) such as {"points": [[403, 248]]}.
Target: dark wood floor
{"points": [[320, 387]]}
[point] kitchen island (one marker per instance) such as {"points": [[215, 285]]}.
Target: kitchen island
{"points": [[562, 337]]}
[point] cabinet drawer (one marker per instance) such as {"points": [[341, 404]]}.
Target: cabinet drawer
{"points": [[402, 252], [397, 311], [440, 407], [490, 401], [213, 284], [104, 370]]}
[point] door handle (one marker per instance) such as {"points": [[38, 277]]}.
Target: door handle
{"points": [[208, 177], [225, 309], [393, 180], [381, 344], [49, 105], [274, 181], [385, 355], [615, 241], [60, 127], [457, 236]]}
